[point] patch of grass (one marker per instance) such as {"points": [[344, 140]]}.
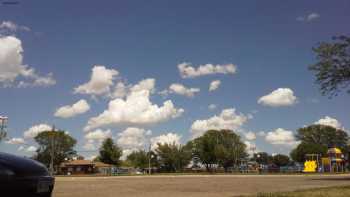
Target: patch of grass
{"points": [[343, 191]]}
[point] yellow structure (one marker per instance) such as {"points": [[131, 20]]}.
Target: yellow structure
{"points": [[310, 166], [334, 162]]}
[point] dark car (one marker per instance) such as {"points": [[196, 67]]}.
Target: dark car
{"points": [[21, 176]]}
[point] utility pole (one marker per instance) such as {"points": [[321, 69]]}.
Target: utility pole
{"points": [[52, 150], [149, 159]]}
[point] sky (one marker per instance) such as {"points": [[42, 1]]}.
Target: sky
{"points": [[144, 72]]}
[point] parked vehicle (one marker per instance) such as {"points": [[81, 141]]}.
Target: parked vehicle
{"points": [[23, 176]]}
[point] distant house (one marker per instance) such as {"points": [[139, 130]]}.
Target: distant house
{"points": [[84, 167], [103, 168]]}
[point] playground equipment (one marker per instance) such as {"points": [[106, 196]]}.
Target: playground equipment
{"points": [[334, 162], [311, 163]]}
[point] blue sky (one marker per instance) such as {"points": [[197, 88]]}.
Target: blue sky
{"points": [[268, 42]]}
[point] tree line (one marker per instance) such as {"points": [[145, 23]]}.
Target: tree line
{"points": [[215, 149]]}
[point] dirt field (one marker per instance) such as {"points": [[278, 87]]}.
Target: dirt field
{"points": [[191, 186]]}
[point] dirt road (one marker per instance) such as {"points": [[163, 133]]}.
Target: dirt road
{"points": [[191, 186]]}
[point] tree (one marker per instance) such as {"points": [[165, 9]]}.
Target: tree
{"points": [[324, 135], [298, 154], [138, 159], [280, 160], [59, 142], [172, 157], [262, 158], [3, 133], [332, 70], [316, 139], [223, 148], [230, 149], [109, 152]]}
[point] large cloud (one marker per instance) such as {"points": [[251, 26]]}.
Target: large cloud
{"points": [[133, 138], [121, 90], [100, 82], [12, 68], [214, 85], [188, 71], [95, 138], [98, 134], [250, 147], [36, 129], [281, 137], [250, 136], [278, 98], [77, 108], [169, 138], [329, 121], [136, 109], [228, 119]]}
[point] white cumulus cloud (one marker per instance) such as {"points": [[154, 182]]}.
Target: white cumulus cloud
{"points": [[180, 89], [308, 18], [281, 136], [122, 90], [188, 71], [10, 26], [212, 106], [250, 147], [133, 138], [36, 129], [250, 136], [27, 149], [329, 121], [100, 82], [15, 141], [136, 109], [214, 85], [77, 108], [228, 119], [31, 149], [169, 138], [12, 68], [95, 138], [278, 98], [98, 134]]}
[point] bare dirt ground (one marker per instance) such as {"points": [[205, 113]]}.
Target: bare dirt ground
{"points": [[190, 185]]}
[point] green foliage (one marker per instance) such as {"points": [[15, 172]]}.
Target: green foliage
{"points": [[280, 160], [59, 141], [223, 148], [138, 159], [298, 154], [3, 132], [172, 157], [263, 158], [332, 70], [2, 135], [110, 153], [316, 139], [324, 135]]}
